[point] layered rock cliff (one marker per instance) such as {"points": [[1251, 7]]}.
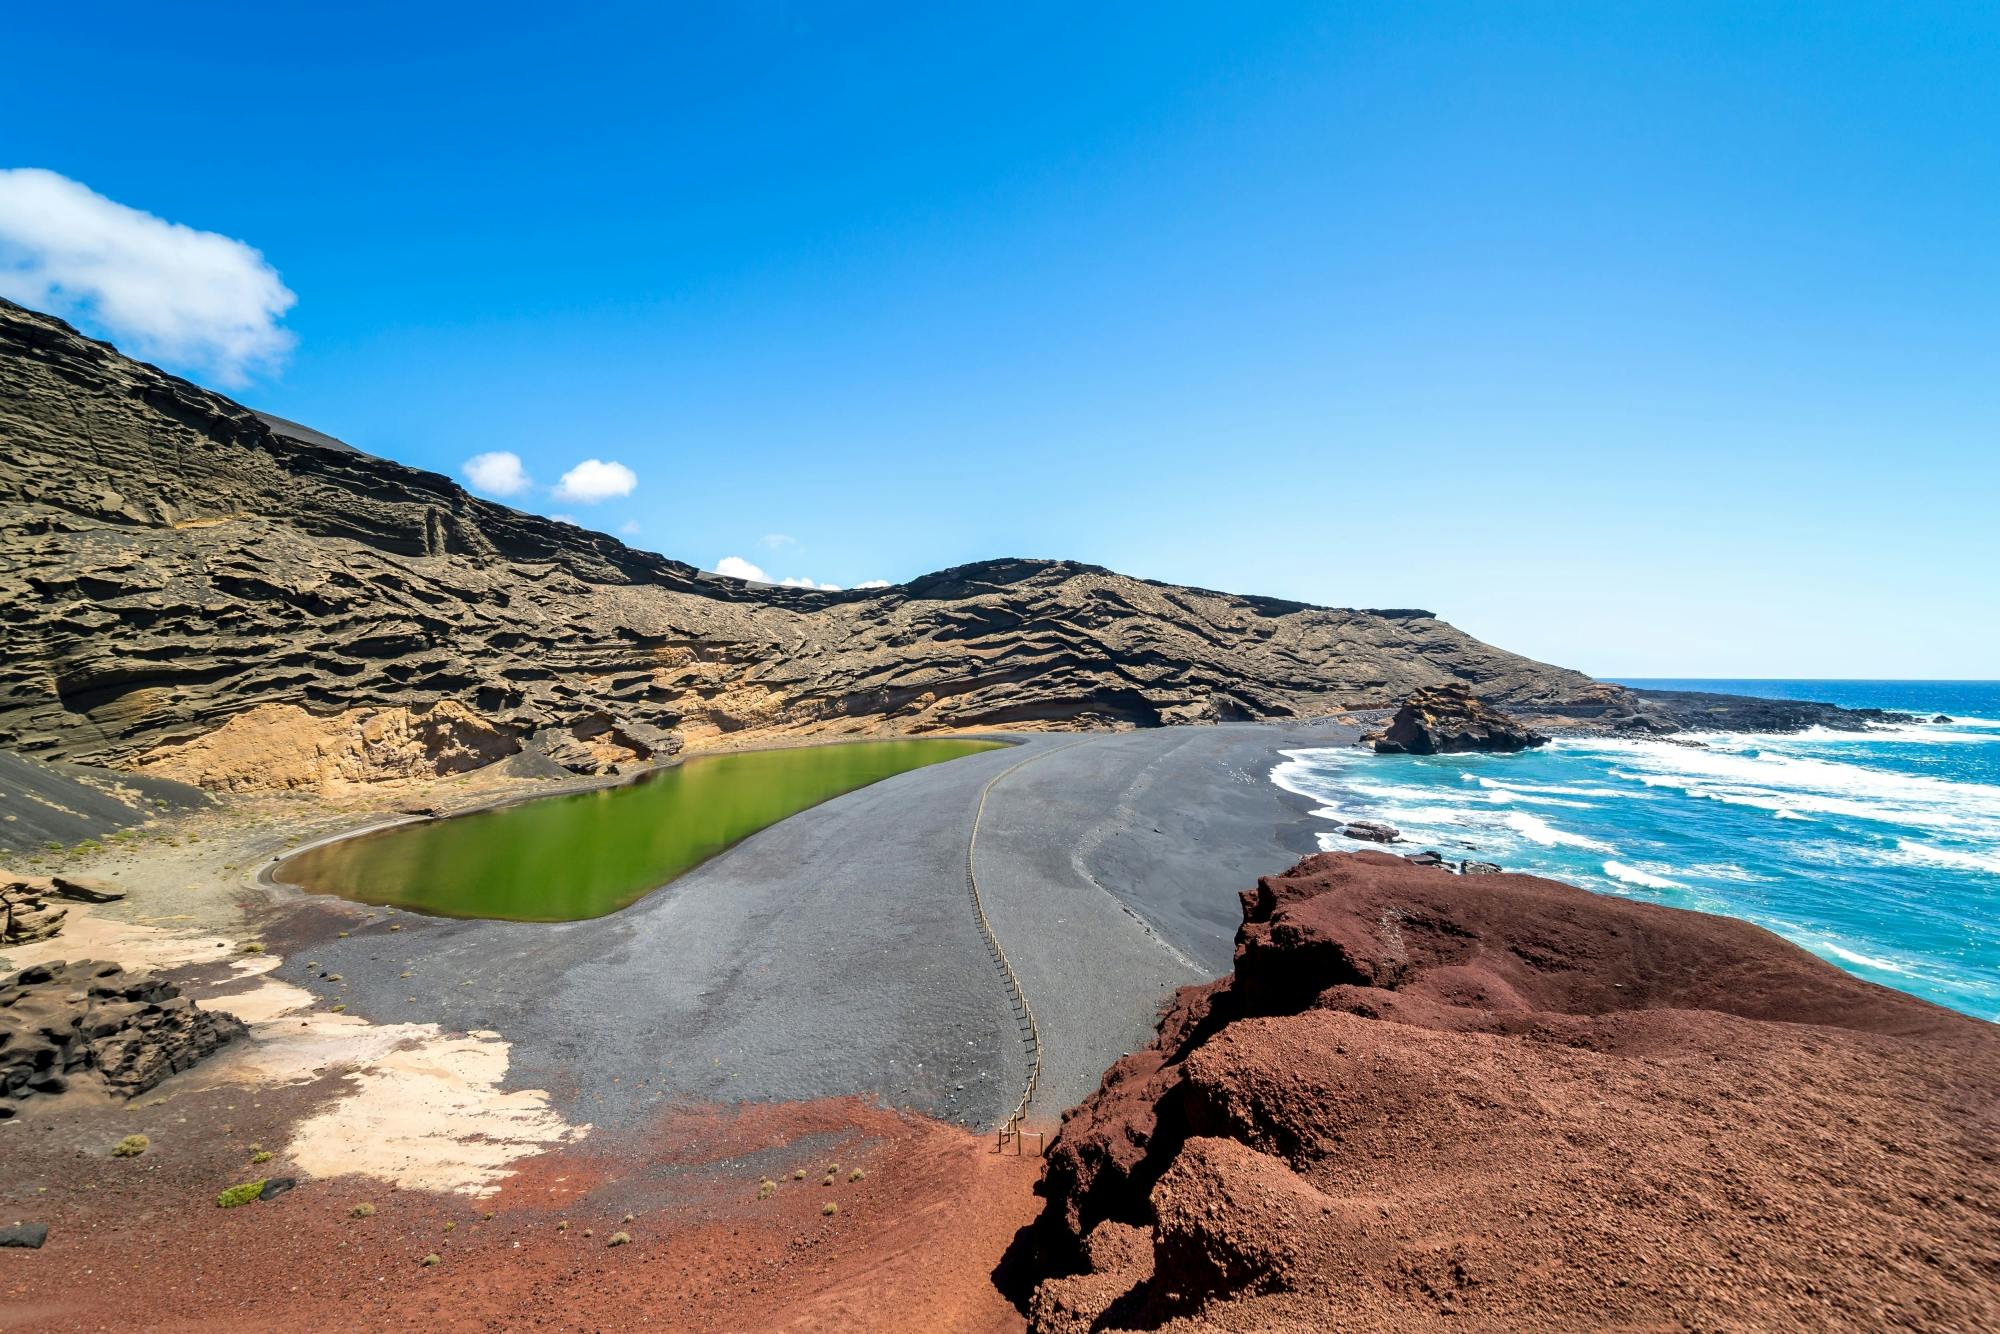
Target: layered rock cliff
{"points": [[220, 597], [1426, 1101]]}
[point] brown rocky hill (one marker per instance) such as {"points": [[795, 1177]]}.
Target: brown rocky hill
{"points": [[212, 595], [1424, 1101]]}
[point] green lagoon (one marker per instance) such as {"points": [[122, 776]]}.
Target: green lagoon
{"points": [[558, 859]]}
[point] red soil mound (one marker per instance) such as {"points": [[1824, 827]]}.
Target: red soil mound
{"points": [[1504, 1102]]}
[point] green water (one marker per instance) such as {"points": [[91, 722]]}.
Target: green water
{"points": [[564, 858]]}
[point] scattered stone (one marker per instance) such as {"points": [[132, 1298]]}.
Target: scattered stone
{"points": [[85, 891], [1428, 857], [1371, 831], [1478, 868], [1442, 720], [29, 1236]]}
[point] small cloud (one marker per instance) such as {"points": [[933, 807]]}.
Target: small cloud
{"points": [[564, 518], [807, 583], [629, 528], [778, 541], [874, 583], [194, 298], [497, 474], [593, 480], [738, 568]]}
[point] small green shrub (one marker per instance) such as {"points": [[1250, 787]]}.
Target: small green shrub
{"points": [[856, 1174], [362, 1210], [766, 1189], [829, 1209], [130, 1147], [261, 1156], [432, 1261], [242, 1194], [799, 1175], [619, 1239]]}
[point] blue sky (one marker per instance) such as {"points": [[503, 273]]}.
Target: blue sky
{"points": [[1646, 339]]}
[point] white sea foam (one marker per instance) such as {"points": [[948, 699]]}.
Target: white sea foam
{"points": [[1537, 830], [1633, 875], [1929, 855], [1865, 960]]}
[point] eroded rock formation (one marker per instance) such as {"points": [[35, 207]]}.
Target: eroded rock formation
{"points": [[1440, 720], [191, 588], [1503, 1103], [59, 1021]]}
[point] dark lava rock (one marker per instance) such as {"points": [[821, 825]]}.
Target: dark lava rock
{"points": [[1371, 831], [28, 1235], [58, 1020], [1479, 868], [1429, 857], [1941, 718], [276, 1186], [1441, 720], [1425, 1102], [85, 891]]}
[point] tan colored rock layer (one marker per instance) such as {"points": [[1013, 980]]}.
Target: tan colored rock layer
{"points": [[168, 563], [1424, 1101]]}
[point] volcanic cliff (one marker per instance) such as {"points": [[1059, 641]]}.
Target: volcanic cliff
{"points": [[209, 594], [1500, 1102]]}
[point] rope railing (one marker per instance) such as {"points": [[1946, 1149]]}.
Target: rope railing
{"points": [[1017, 997]]}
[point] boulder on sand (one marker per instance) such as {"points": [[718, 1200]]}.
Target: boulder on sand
{"points": [[1441, 720]]}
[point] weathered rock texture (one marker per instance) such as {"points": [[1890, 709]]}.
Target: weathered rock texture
{"points": [[1439, 720], [62, 1020], [188, 590], [1503, 1103]]}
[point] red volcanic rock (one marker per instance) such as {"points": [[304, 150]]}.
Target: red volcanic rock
{"points": [[1503, 1102]]}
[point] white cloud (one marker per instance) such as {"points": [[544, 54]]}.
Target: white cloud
{"points": [[593, 480], [779, 541], [738, 568], [497, 474], [874, 583], [630, 528], [564, 518], [165, 290], [807, 583]]}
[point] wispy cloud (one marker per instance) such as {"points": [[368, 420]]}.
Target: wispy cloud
{"points": [[738, 568], [778, 541], [629, 528], [497, 474], [594, 480], [197, 299]]}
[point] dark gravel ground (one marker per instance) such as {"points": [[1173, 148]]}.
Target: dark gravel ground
{"points": [[835, 952]]}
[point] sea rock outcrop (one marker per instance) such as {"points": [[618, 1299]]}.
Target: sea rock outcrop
{"points": [[1424, 1101], [1439, 720], [59, 1021], [198, 589]]}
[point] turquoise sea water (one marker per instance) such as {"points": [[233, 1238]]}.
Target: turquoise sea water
{"points": [[1879, 851]]}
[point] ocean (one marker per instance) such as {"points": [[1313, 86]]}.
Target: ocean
{"points": [[1877, 851]]}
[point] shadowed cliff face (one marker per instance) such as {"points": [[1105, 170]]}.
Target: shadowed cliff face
{"points": [[170, 564]]}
